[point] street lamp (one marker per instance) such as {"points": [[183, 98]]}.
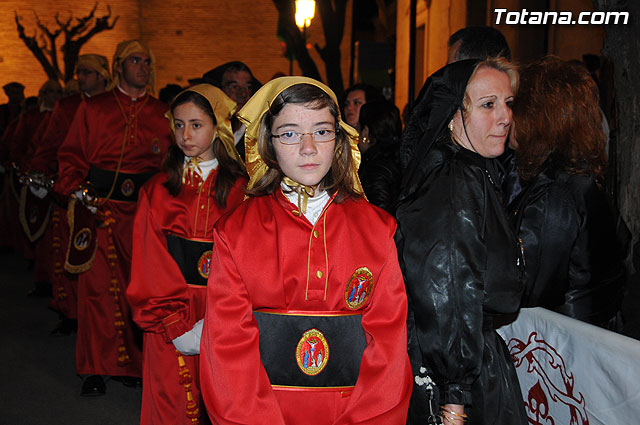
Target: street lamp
{"points": [[305, 9]]}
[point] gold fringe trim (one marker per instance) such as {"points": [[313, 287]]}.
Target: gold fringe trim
{"points": [[185, 379], [118, 322]]}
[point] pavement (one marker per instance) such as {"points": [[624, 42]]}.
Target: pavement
{"points": [[38, 382]]}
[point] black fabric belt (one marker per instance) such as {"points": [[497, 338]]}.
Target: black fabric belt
{"points": [[126, 187], [192, 256], [311, 349]]}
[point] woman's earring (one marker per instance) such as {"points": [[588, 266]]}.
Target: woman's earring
{"points": [[451, 126], [365, 140]]}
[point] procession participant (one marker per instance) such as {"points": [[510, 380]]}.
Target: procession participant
{"points": [[237, 81], [308, 325], [20, 143], [116, 142], [461, 259], [203, 179], [92, 71], [11, 110]]}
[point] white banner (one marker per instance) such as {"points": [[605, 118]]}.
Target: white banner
{"points": [[573, 373]]}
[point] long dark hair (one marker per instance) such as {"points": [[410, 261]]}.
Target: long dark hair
{"points": [[229, 170], [383, 120], [341, 175]]}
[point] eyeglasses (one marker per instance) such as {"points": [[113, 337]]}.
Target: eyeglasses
{"points": [[293, 138]]}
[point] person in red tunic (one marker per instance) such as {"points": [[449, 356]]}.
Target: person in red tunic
{"points": [[204, 178], [306, 306], [93, 75], [117, 140], [28, 128]]}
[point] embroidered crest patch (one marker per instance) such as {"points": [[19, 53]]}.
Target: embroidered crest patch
{"points": [[312, 352], [204, 264], [359, 288], [82, 239], [128, 187]]}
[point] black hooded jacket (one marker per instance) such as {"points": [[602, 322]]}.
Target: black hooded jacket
{"points": [[461, 262]]}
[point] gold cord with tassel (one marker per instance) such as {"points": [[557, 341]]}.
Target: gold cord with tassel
{"points": [[303, 191]]}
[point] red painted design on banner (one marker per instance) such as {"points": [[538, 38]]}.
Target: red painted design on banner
{"points": [[555, 384]]}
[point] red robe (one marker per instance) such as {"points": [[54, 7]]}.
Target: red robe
{"points": [[45, 156], [6, 238], [163, 304], [20, 145], [106, 346], [45, 160], [266, 257]]}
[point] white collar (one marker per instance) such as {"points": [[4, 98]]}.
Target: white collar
{"points": [[132, 98], [205, 167], [315, 205]]}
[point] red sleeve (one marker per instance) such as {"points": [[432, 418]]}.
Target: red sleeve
{"points": [[5, 143], [382, 392], [73, 164], [35, 141], [44, 158], [19, 139], [157, 292], [235, 385]]}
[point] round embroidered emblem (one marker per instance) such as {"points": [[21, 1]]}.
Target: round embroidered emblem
{"points": [[204, 264], [82, 239], [359, 288], [312, 352], [128, 187]]}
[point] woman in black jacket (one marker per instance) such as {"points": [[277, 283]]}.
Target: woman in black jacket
{"points": [[574, 263], [460, 258]]}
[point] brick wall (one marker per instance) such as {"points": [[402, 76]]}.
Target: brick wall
{"points": [[188, 37]]}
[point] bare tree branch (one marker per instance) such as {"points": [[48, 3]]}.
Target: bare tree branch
{"points": [[71, 47], [51, 50], [36, 49], [332, 14], [43, 44]]}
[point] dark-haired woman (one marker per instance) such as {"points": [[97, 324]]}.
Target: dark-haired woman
{"points": [[306, 310], [203, 179], [380, 132], [356, 96], [574, 262]]}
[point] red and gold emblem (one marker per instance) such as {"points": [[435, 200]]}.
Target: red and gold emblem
{"points": [[312, 352], [128, 187], [82, 239], [359, 288], [204, 264]]}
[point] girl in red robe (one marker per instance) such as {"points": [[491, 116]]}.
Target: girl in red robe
{"points": [[306, 309], [203, 179]]}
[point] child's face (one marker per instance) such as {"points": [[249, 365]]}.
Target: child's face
{"points": [[308, 161], [194, 131]]}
